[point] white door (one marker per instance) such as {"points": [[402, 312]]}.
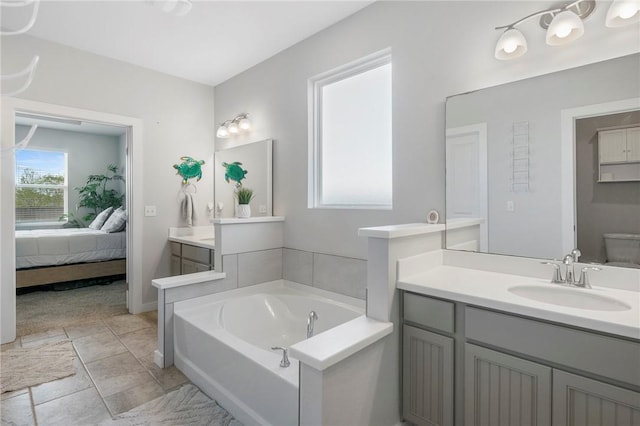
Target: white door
{"points": [[466, 175]]}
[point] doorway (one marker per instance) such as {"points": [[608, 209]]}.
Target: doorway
{"points": [[133, 130]]}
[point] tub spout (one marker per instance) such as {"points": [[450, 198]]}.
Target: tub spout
{"points": [[285, 358], [311, 319]]}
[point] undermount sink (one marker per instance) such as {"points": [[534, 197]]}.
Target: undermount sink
{"points": [[569, 297]]}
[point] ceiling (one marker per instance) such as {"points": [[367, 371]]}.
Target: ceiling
{"points": [[213, 42]]}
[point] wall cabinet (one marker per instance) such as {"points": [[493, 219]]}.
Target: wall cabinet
{"points": [[472, 366], [187, 259], [619, 154]]}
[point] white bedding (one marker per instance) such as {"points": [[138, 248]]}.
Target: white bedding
{"points": [[50, 247]]}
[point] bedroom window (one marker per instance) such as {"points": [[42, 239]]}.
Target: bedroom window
{"points": [[350, 141], [41, 186]]}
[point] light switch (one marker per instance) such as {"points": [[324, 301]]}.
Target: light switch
{"points": [[149, 211], [262, 209]]}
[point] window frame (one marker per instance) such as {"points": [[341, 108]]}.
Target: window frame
{"points": [[64, 187], [315, 86]]}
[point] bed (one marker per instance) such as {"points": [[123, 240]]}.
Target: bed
{"points": [[56, 255]]}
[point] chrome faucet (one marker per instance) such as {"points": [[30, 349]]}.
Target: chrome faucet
{"points": [[285, 358], [311, 319], [569, 277]]}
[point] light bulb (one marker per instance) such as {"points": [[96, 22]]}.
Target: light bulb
{"points": [[244, 124], [233, 128], [183, 7], [222, 132], [511, 45], [565, 27], [623, 12]]}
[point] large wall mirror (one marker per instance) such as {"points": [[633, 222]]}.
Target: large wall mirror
{"points": [[526, 174], [256, 159]]}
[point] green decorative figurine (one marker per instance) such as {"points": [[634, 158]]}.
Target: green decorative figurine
{"points": [[234, 172], [189, 169]]}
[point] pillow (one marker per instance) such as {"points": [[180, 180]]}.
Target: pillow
{"points": [[100, 219], [116, 222]]}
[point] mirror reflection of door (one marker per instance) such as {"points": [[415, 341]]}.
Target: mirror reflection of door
{"points": [[466, 196]]}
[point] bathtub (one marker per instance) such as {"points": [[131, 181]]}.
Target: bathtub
{"points": [[222, 342]]}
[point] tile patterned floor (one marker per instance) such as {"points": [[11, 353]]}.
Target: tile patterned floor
{"points": [[114, 373]]}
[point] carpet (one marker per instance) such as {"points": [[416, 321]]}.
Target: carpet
{"points": [[45, 310], [185, 406], [24, 367]]}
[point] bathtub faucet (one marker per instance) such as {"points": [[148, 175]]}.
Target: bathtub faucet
{"points": [[311, 319], [285, 359]]}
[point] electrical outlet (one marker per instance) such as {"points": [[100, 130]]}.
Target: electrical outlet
{"points": [[510, 206], [149, 211], [262, 209]]}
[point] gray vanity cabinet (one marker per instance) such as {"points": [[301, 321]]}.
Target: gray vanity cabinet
{"points": [[505, 390], [428, 377], [579, 401], [475, 366]]}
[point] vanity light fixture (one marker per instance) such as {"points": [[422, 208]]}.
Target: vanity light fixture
{"points": [[563, 24], [240, 123]]}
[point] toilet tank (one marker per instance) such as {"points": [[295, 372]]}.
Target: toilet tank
{"points": [[622, 248]]}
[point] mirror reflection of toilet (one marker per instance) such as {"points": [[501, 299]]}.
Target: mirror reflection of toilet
{"points": [[622, 250]]}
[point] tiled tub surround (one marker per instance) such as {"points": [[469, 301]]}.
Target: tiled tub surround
{"points": [[242, 325]]}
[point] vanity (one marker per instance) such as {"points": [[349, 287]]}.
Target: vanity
{"points": [[192, 249], [481, 347]]}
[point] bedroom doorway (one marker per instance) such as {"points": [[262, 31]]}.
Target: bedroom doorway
{"points": [[127, 130], [69, 228]]}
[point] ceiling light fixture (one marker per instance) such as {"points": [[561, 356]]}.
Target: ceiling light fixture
{"points": [[563, 24], [240, 123]]}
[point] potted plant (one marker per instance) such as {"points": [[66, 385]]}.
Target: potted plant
{"points": [[244, 196], [95, 196]]}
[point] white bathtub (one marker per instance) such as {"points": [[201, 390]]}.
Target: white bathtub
{"points": [[223, 341]]}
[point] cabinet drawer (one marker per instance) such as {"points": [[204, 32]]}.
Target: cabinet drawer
{"points": [[603, 355], [176, 248], [197, 254], [432, 313]]}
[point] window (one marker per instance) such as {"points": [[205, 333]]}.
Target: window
{"points": [[350, 151], [41, 186]]}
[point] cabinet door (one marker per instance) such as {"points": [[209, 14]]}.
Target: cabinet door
{"points": [[633, 144], [427, 376], [502, 390], [188, 266], [580, 401], [176, 265], [612, 145]]}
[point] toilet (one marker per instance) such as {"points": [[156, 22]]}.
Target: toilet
{"points": [[622, 250]]}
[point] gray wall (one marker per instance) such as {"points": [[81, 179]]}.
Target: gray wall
{"points": [[439, 48], [87, 154], [602, 207], [177, 117]]}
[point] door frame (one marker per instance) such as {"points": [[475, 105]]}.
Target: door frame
{"points": [[568, 204], [134, 197]]}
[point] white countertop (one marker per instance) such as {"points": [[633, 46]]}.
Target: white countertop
{"points": [[199, 236], [398, 231], [252, 219], [195, 240], [490, 290], [187, 279]]}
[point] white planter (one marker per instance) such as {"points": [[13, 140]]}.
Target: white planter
{"points": [[243, 210]]}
